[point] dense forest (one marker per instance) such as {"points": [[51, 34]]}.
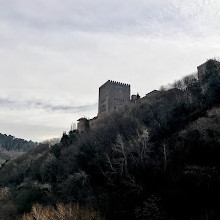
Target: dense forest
{"points": [[155, 159], [11, 143], [11, 147]]}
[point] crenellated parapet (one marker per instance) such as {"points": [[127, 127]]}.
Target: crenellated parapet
{"points": [[113, 83], [118, 83]]}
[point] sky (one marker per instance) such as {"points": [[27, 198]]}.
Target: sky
{"points": [[54, 55]]}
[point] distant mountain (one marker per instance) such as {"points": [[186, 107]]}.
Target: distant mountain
{"points": [[11, 147], [11, 143]]}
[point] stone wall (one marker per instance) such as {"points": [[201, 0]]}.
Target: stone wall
{"points": [[82, 124], [201, 70], [112, 96]]}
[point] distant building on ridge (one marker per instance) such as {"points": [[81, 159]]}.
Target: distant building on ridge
{"points": [[202, 68], [82, 124], [112, 96]]}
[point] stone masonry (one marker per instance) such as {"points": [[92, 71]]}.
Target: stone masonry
{"points": [[112, 96]]}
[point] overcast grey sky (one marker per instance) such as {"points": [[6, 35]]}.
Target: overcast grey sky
{"points": [[55, 54]]}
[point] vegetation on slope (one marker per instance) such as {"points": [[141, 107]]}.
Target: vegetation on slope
{"points": [[156, 159], [11, 147], [10, 143], [4, 157], [67, 212]]}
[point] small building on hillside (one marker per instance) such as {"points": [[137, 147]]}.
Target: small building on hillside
{"points": [[202, 68], [82, 125], [134, 98]]}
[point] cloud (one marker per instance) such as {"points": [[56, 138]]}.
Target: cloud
{"points": [[31, 104], [38, 120], [54, 55], [131, 16]]}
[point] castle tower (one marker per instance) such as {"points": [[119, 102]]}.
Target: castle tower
{"points": [[201, 70], [112, 96]]}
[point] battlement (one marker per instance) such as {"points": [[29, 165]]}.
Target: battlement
{"points": [[113, 83], [118, 83]]}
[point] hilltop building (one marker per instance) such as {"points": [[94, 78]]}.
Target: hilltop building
{"points": [[202, 68], [134, 98], [82, 124], [112, 96]]}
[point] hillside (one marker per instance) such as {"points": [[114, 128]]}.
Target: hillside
{"points": [[11, 143], [154, 159], [11, 147], [3, 157]]}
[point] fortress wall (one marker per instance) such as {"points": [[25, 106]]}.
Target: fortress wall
{"points": [[201, 70], [112, 96]]}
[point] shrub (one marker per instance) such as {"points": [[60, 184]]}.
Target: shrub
{"points": [[67, 212]]}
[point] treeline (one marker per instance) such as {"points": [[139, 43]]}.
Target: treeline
{"points": [[11, 143], [155, 159]]}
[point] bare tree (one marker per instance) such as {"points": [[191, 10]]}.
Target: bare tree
{"points": [[126, 157], [164, 152]]}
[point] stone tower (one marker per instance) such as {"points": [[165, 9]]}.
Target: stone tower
{"points": [[201, 70], [112, 96]]}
